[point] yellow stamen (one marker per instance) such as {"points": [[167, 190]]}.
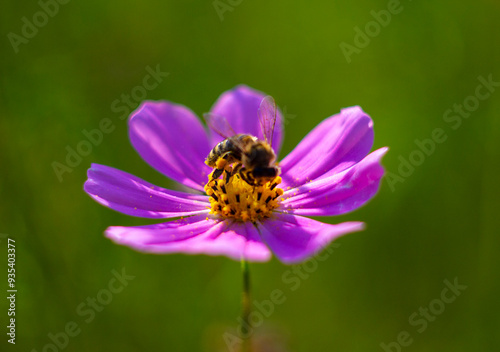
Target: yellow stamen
{"points": [[236, 199]]}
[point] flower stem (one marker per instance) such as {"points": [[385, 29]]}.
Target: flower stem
{"points": [[246, 308]]}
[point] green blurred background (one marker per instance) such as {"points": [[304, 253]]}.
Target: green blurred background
{"points": [[438, 223]]}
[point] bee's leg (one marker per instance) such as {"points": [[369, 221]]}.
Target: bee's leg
{"points": [[242, 174], [237, 169], [216, 173], [251, 179], [247, 177], [221, 164], [230, 171]]}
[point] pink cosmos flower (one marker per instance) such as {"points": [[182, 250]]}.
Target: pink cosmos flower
{"points": [[330, 172]]}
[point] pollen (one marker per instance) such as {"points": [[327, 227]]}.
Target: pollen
{"points": [[233, 198]]}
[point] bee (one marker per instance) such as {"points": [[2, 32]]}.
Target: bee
{"points": [[254, 159]]}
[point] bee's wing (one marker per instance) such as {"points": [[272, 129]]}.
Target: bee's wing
{"points": [[267, 117], [219, 124]]}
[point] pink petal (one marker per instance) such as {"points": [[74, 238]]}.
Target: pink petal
{"points": [[334, 145], [130, 195], [144, 237], [294, 238], [340, 193], [240, 107], [195, 235], [172, 140]]}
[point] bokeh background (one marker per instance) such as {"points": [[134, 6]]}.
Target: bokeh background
{"points": [[439, 222]]}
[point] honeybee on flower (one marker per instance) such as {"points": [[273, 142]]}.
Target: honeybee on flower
{"points": [[254, 158], [254, 209]]}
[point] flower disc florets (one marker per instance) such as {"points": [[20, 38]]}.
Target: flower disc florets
{"points": [[231, 197]]}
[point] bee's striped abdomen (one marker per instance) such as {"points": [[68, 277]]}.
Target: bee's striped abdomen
{"points": [[219, 150]]}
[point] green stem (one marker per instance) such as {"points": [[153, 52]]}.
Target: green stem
{"points": [[246, 308]]}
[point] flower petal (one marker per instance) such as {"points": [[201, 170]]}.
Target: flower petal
{"points": [[145, 237], [130, 195], [240, 107], [295, 238], [340, 193], [195, 235], [171, 139], [334, 145]]}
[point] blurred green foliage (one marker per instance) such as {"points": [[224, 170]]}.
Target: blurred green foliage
{"points": [[440, 223]]}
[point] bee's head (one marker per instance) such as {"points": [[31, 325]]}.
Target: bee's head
{"points": [[259, 154]]}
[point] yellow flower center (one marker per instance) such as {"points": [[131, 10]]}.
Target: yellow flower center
{"points": [[231, 197]]}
